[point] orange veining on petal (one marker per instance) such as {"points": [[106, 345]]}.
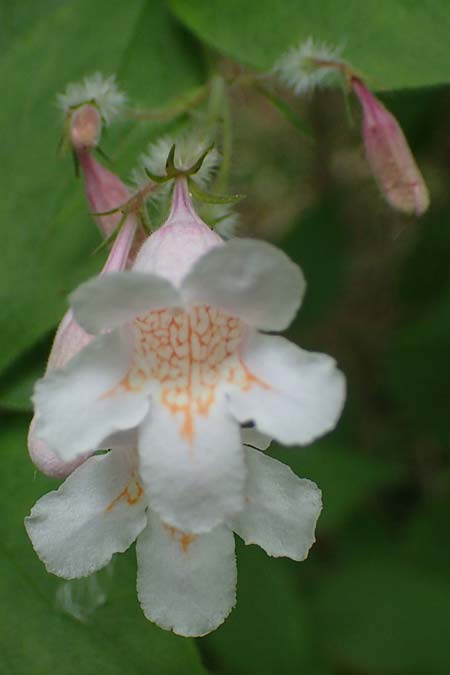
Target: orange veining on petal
{"points": [[188, 354], [132, 493], [183, 538]]}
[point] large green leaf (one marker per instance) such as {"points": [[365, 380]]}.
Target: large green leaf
{"points": [[269, 630], [36, 637], [384, 616], [47, 237], [396, 44]]}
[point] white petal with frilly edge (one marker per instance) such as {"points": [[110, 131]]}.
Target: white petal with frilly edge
{"points": [[252, 280], [78, 406], [281, 509], [186, 583], [98, 511], [301, 396], [110, 301], [192, 483]]}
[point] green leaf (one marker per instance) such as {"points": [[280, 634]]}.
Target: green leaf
{"points": [[395, 44], [269, 630], [17, 381], [36, 637], [47, 236], [383, 616]]}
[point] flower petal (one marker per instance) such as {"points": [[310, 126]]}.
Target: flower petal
{"points": [[186, 583], [252, 280], [253, 437], [299, 395], [76, 529], [78, 406], [281, 511], [192, 482], [116, 298]]}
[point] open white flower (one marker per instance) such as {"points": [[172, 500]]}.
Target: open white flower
{"points": [[186, 582], [179, 361]]}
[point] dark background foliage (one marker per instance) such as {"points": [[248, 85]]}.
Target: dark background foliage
{"points": [[373, 598]]}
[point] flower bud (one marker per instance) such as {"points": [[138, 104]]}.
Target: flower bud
{"points": [[104, 191], [69, 340], [389, 156], [85, 128], [173, 249]]}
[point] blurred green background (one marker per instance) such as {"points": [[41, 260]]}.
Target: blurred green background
{"points": [[373, 598]]}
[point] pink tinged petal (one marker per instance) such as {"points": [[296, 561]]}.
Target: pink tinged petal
{"points": [[281, 509], [117, 298], [104, 190], [193, 469], [300, 396], [389, 155], [47, 461], [77, 407], [172, 250], [186, 583], [253, 437], [98, 511], [70, 339], [252, 280]]}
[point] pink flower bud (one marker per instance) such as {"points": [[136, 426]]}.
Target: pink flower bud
{"points": [[69, 340], [172, 250], [85, 128], [104, 191], [389, 155]]}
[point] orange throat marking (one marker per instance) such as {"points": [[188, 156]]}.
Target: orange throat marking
{"points": [[183, 538], [132, 493], [189, 354]]}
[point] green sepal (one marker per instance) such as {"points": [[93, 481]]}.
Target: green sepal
{"points": [[76, 164], [121, 207], [209, 198], [171, 171], [155, 178], [103, 154], [112, 237], [198, 164]]}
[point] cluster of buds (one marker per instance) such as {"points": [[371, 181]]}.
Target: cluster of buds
{"points": [[312, 65], [168, 363]]}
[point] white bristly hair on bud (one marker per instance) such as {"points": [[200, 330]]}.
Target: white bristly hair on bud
{"points": [[300, 68], [189, 146], [103, 91]]}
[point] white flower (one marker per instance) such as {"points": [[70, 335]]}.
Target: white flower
{"points": [[186, 582], [180, 363], [95, 88], [309, 66]]}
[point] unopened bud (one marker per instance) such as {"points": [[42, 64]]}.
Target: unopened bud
{"points": [[104, 191], [69, 340], [389, 155], [85, 128]]}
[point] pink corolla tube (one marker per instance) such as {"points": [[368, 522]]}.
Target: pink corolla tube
{"points": [[105, 191], [389, 155]]}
